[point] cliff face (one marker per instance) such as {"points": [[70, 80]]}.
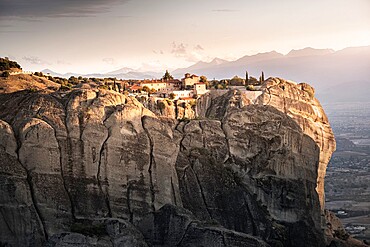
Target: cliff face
{"points": [[73, 163], [295, 100], [177, 109]]}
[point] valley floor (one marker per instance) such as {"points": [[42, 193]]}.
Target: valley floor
{"points": [[348, 174]]}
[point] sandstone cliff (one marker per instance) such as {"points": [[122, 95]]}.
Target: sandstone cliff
{"points": [[295, 100], [71, 164]]}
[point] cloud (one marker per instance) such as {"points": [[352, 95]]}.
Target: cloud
{"points": [[158, 52], [55, 8], [182, 50], [198, 47], [179, 49], [109, 60], [36, 60]]}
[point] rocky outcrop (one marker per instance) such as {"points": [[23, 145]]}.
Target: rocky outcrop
{"points": [[176, 109], [336, 235], [253, 172], [295, 100], [105, 232], [247, 174], [299, 103], [174, 226]]}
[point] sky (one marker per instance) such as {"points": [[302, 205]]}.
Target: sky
{"points": [[98, 36]]}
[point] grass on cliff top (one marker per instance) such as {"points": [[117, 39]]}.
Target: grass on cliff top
{"points": [[14, 83]]}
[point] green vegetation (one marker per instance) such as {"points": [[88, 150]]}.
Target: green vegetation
{"points": [[193, 103], [251, 88], [5, 74], [6, 64], [236, 81], [40, 74], [103, 87], [65, 86], [253, 81], [172, 96], [167, 76], [73, 80], [203, 79], [222, 84], [146, 89], [169, 102], [161, 105]]}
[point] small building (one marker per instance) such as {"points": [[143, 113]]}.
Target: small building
{"points": [[200, 88], [183, 94], [162, 86], [135, 88], [190, 80]]}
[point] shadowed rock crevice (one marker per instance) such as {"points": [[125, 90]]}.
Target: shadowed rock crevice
{"points": [[151, 165], [35, 204], [204, 198], [128, 198], [102, 156]]}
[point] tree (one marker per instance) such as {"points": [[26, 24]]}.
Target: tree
{"points": [[203, 79], [172, 96], [246, 77], [167, 76], [262, 77], [221, 86], [5, 74], [236, 81], [6, 64], [253, 81], [73, 80], [146, 89]]}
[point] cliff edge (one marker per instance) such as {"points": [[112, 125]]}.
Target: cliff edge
{"points": [[96, 167]]}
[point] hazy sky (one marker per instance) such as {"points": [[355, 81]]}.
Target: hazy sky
{"points": [[103, 35]]}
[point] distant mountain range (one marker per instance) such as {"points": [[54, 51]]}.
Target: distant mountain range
{"points": [[123, 73], [337, 76]]}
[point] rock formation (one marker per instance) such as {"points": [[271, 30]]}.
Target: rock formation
{"points": [[177, 109], [295, 100], [244, 175]]}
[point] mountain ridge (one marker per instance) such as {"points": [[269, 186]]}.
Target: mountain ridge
{"points": [[326, 70]]}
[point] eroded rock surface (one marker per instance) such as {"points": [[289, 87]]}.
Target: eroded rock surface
{"points": [[250, 170], [295, 100], [178, 109], [103, 233], [174, 226]]}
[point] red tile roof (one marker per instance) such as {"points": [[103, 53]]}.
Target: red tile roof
{"points": [[186, 98], [159, 81], [135, 87]]}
